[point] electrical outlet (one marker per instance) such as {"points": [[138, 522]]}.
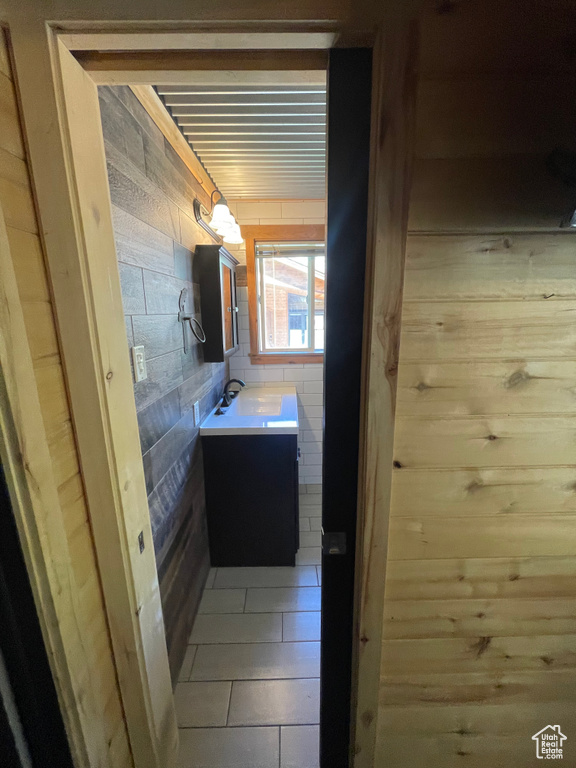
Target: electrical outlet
{"points": [[139, 361], [196, 413]]}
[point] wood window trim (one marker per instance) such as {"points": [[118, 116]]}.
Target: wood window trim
{"points": [[266, 232]]}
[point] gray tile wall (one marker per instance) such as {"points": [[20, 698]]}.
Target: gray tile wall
{"points": [[152, 196]]}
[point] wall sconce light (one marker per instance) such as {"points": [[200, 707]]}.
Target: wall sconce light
{"points": [[223, 222]]}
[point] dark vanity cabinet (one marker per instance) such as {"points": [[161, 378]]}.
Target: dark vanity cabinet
{"points": [[216, 269], [251, 499]]}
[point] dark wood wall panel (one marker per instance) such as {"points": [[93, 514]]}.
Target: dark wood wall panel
{"points": [[156, 233]]}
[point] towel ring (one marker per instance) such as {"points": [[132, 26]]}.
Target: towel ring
{"points": [[184, 316], [201, 338]]}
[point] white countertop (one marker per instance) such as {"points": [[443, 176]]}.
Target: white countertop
{"points": [[256, 411]]}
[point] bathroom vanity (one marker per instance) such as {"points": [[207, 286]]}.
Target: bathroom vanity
{"points": [[251, 476]]}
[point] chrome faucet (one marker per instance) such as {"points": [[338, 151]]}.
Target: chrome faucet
{"points": [[228, 396]]}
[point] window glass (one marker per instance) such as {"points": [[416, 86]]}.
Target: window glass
{"points": [[290, 280]]}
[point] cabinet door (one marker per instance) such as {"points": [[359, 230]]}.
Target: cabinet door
{"points": [[228, 308], [235, 310], [296, 486]]}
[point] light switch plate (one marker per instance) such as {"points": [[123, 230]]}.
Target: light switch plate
{"points": [[196, 413], [139, 362]]}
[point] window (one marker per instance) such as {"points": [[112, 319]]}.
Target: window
{"points": [[285, 275], [290, 279]]}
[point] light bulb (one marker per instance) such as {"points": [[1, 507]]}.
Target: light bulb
{"points": [[225, 224], [234, 237], [220, 214]]}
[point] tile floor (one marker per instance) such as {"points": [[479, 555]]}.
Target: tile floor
{"points": [[248, 694]]}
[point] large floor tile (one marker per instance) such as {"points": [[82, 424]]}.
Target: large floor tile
{"points": [[237, 628], [210, 579], [300, 746], [186, 668], [309, 556], [229, 748], [283, 599], [256, 661], [308, 512], [310, 539], [308, 501], [201, 705], [300, 576], [222, 601], [275, 702], [301, 626]]}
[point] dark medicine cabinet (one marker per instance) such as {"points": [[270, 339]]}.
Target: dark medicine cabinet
{"points": [[219, 305]]}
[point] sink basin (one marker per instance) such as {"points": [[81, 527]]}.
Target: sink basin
{"points": [[266, 405], [256, 411]]}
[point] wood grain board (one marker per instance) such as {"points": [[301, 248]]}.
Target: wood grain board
{"points": [[487, 387], [69, 593], [516, 536], [511, 193], [465, 330], [465, 116], [481, 491], [485, 441], [476, 578], [410, 619], [480, 654], [495, 266], [394, 85], [479, 687], [479, 646]]}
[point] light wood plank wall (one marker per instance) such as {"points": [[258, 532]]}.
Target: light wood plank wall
{"points": [[479, 648], [95, 671]]}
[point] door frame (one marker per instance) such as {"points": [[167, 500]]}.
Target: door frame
{"points": [[38, 727], [71, 185], [27, 465], [348, 166]]}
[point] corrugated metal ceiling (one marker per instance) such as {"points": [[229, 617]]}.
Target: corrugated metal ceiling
{"points": [[256, 141]]}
